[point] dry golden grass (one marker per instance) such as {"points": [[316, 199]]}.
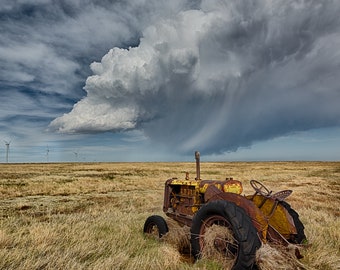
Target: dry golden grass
{"points": [[91, 215]]}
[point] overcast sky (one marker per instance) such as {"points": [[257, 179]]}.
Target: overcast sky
{"points": [[148, 80]]}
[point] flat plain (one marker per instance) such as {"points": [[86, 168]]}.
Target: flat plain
{"points": [[91, 215]]}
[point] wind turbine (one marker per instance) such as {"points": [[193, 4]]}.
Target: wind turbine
{"points": [[47, 152], [7, 149], [76, 154]]}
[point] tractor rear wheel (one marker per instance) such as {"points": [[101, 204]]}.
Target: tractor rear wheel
{"points": [[237, 243], [155, 225]]}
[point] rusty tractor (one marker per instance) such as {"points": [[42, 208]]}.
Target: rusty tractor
{"points": [[249, 220]]}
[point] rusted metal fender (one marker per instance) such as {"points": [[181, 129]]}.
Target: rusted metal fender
{"points": [[259, 220], [278, 216]]}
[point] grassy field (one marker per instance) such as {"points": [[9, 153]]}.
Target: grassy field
{"points": [[91, 215]]}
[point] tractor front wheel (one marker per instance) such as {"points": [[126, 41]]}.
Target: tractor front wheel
{"points": [[155, 225], [226, 228]]}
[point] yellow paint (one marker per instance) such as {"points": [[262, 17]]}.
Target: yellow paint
{"points": [[192, 188], [279, 219], [233, 188], [185, 182]]}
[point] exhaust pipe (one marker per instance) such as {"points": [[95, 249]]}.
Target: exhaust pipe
{"points": [[198, 170]]}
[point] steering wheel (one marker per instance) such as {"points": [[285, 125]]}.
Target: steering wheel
{"points": [[260, 188]]}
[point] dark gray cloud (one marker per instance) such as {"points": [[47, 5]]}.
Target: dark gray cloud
{"points": [[220, 76], [211, 75]]}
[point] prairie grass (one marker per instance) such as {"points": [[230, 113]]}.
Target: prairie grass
{"points": [[91, 215]]}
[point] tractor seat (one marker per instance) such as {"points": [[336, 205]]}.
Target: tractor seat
{"points": [[281, 195]]}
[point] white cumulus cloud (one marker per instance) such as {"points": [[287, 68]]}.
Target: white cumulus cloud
{"points": [[220, 76]]}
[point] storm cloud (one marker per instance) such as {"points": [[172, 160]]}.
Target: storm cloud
{"points": [[46, 47], [219, 76]]}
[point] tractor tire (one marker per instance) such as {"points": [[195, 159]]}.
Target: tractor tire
{"points": [[155, 225], [243, 239], [300, 237]]}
